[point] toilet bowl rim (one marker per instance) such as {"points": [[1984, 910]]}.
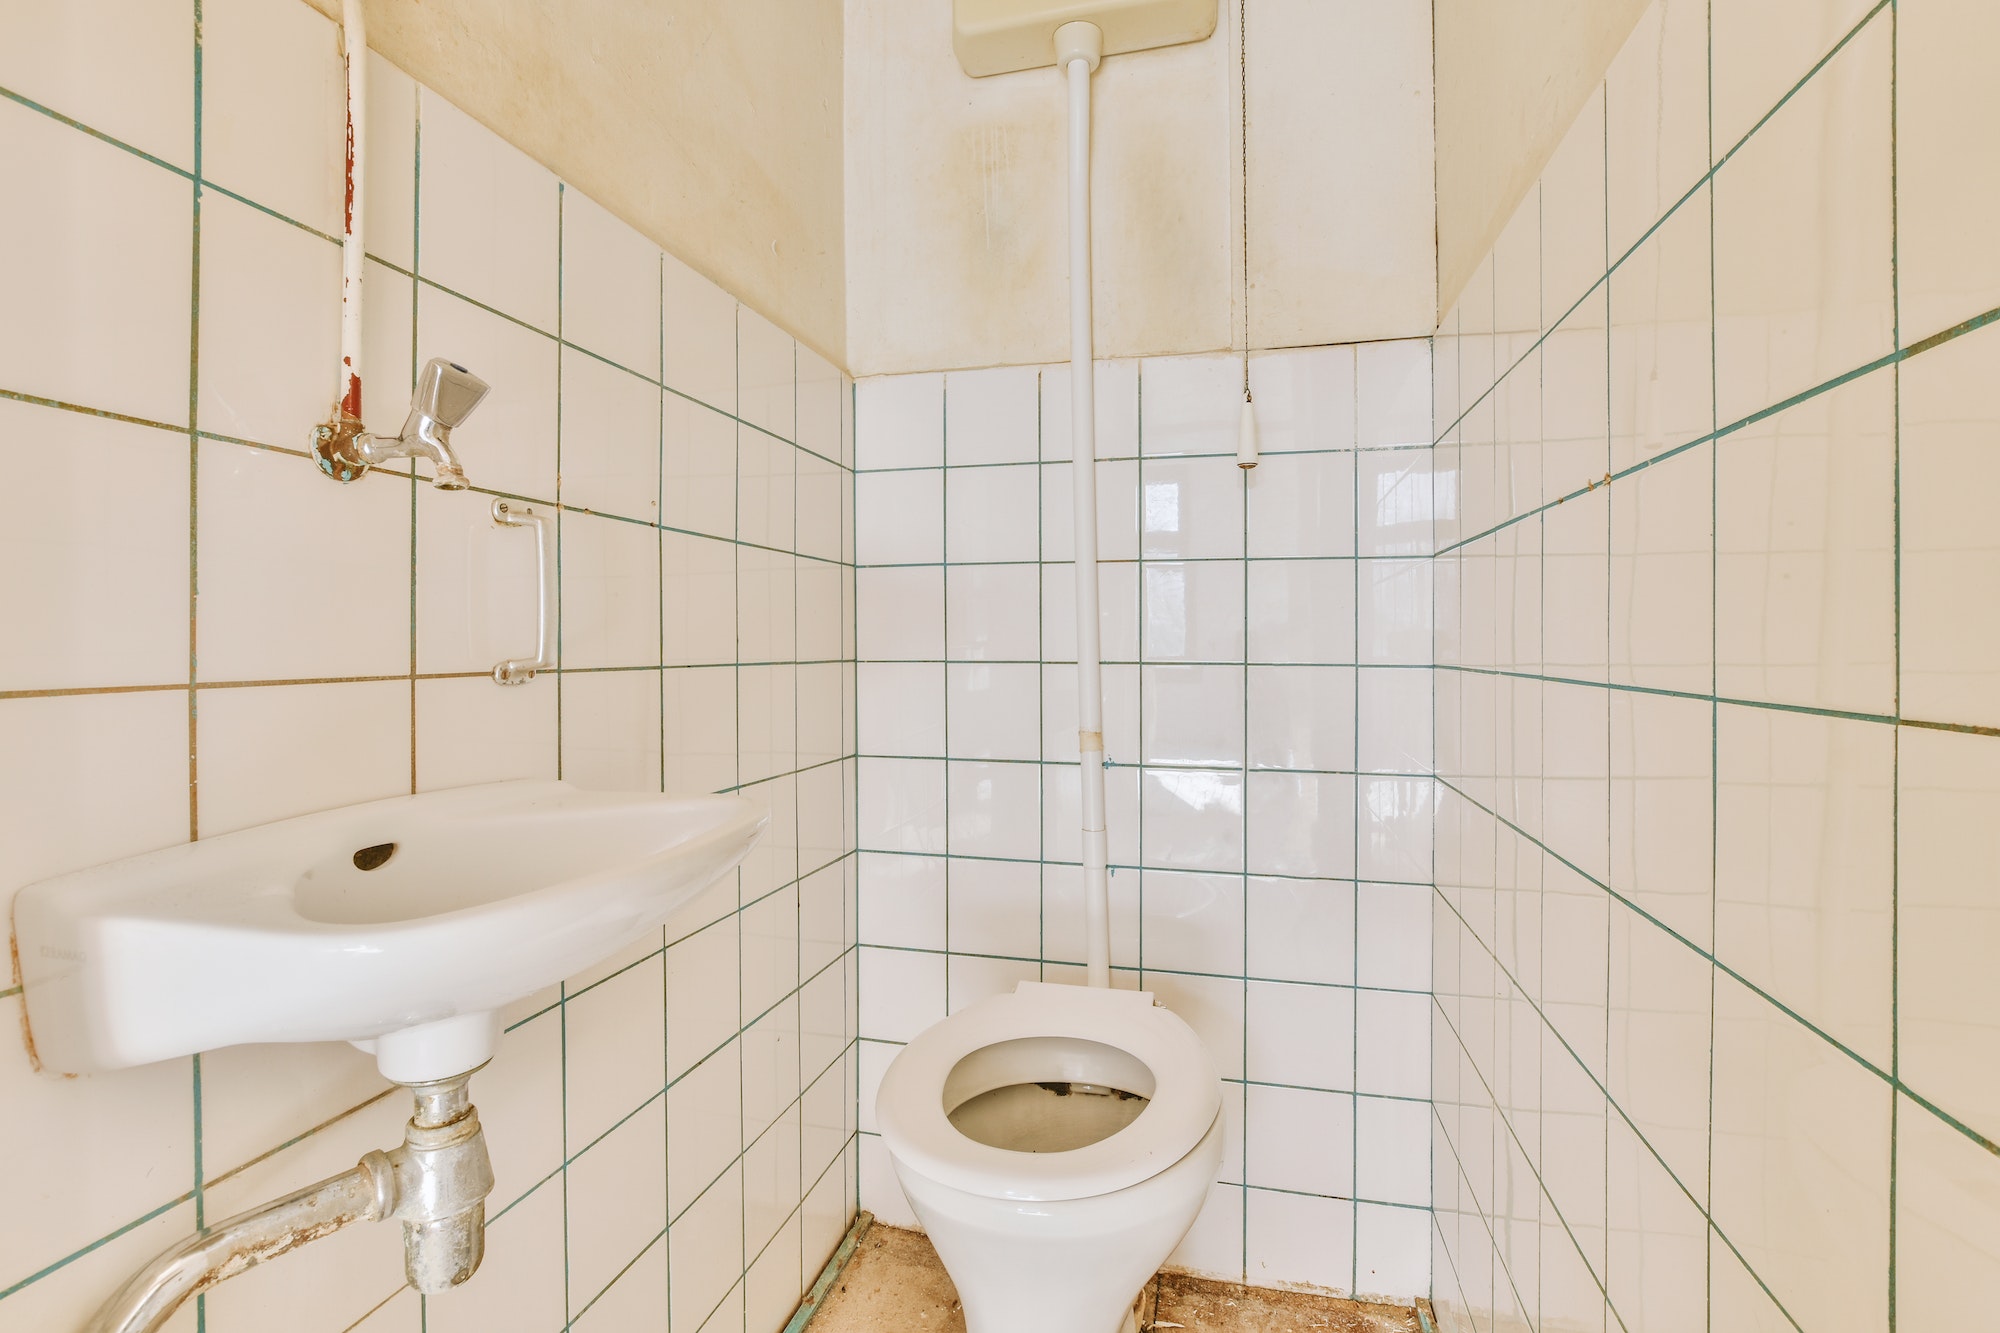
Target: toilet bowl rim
{"points": [[1186, 1098]]}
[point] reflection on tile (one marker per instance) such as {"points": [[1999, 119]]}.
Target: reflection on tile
{"points": [[1805, 830], [1656, 117], [1947, 203], [1659, 1043], [1573, 185], [1662, 808], [1661, 349], [1193, 819], [1303, 505], [1950, 559], [1787, 1106], [1305, 399], [1194, 611], [1191, 509], [1946, 923], [1947, 1205], [1803, 290], [1803, 508]]}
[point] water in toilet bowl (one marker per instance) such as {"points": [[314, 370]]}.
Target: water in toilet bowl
{"points": [[1054, 1116]]}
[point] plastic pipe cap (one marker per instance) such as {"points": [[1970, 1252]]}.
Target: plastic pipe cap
{"points": [[1079, 41]]}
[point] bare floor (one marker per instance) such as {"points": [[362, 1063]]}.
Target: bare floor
{"points": [[895, 1282]]}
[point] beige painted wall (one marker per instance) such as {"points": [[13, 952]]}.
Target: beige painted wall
{"points": [[956, 190], [713, 126], [1510, 79]]}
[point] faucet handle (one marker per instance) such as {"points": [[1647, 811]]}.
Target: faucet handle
{"points": [[447, 392]]}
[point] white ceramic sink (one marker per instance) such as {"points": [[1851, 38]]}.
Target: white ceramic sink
{"points": [[402, 926]]}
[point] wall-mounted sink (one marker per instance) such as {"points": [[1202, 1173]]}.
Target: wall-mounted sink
{"points": [[402, 926]]}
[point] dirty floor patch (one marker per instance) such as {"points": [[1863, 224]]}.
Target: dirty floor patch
{"points": [[1202, 1306], [895, 1282]]}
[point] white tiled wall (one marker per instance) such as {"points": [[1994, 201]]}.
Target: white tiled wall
{"points": [[1714, 1027], [204, 633], [1267, 700]]}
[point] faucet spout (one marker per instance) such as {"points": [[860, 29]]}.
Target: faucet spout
{"points": [[446, 394], [426, 439]]}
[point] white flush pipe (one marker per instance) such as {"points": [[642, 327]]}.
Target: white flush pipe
{"points": [[1079, 48], [353, 249]]}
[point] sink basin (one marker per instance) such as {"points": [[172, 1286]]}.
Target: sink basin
{"points": [[402, 926]]}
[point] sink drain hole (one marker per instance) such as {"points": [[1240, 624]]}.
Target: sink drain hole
{"points": [[373, 858]]}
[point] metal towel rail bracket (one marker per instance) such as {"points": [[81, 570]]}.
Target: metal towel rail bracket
{"points": [[518, 671]]}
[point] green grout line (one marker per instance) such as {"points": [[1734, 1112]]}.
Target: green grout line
{"points": [[300, 1137], [96, 1245], [195, 435], [1502, 970], [379, 1305], [1706, 179], [830, 1274], [30, 104], [36, 400]]}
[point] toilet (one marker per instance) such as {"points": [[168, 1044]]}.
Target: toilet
{"points": [[1056, 1143]]}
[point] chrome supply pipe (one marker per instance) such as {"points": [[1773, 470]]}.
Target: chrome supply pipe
{"points": [[1079, 48], [435, 1183]]}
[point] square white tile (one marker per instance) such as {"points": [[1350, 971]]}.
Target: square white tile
{"points": [[274, 106], [1308, 1239], [990, 512], [899, 422], [899, 517], [510, 445], [610, 286], [993, 416], [1192, 715], [117, 615], [1191, 509], [103, 315], [123, 67], [993, 710], [1302, 717], [699, 320], [611, 439], [766, 375], [1192, 922], [1392, 393], [1301, 505], [1946, 203], [1304, 399], [1803, 235], [490, 216]]}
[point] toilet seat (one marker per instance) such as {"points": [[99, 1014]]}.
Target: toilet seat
{"points": [[1184, 1103]]}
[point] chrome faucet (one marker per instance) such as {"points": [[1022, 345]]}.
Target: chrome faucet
{"points": [[446, 395]]}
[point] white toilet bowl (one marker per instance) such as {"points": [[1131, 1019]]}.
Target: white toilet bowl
{"points": [[1056, 1144]]}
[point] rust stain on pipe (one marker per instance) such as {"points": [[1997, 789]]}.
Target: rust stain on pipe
{"points": [[248, 1258]]}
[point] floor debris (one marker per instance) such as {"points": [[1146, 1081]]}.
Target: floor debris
{"points": [[895, 1281]]}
